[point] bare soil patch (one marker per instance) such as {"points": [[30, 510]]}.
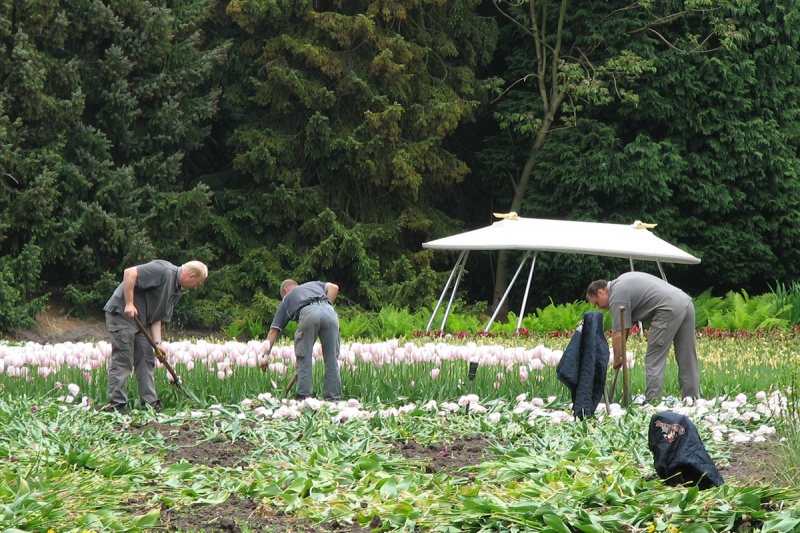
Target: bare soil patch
{"points": [[186, 442], [750, 464], [756, 463], [446, 458], [54, 326]]}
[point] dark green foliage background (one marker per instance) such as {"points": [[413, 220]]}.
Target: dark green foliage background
{"points": [[330, 139]]}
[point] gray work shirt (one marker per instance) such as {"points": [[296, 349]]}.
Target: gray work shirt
{"points": [[298, 298], [646, 298], [155, 294]]}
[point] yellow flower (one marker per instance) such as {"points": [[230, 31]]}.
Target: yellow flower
{"points": [[651, 528]]}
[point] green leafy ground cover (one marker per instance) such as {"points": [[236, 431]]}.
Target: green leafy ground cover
{"points": [[73, 469], [404, 456]]}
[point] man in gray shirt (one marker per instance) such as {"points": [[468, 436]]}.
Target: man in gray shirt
{"points": [[311, 305], [149, 291], [670, 314]]}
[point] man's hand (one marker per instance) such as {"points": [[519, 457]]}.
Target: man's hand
{"points": [[131, 310], [263, 359], [617, 360]]}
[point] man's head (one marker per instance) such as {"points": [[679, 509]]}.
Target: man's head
{"points": [[287, 286], [193, 274], [597, 293]]}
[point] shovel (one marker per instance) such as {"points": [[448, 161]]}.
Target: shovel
{"points": [[624, 367], [176, 380], [626, 395]]}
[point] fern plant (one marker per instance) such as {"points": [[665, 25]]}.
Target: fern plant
{"points": [[744, 313], [357, 326], [457, 323], [393, 323], [706, 306], [561, 317]]}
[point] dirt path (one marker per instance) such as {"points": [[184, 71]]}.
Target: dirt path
{"points": [[55, 326]]}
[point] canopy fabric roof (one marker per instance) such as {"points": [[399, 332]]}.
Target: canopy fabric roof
{"points": [[634, 241]]}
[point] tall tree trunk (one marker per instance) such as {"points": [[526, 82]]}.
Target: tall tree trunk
{"points": [[520, 190]]}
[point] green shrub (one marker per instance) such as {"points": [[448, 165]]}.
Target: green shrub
{"points": [[394, 323], [19, 279], [354, 325], [744, 313]]}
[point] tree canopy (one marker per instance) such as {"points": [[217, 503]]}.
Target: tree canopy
{"points": [[329, 139]]}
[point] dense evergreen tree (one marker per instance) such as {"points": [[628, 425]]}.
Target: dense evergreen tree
{"points": [[40, 102], [100, 102], [328, 139], [340, 168]]}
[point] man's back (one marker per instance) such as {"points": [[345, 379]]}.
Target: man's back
{"points": [[643, 295]]}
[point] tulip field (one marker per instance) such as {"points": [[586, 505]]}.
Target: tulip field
{"points": [[415, 445]]}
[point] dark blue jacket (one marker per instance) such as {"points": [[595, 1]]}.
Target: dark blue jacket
{"points": [[679, 456], [584, 365]]}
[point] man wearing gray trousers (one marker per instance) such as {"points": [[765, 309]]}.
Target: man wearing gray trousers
{"points": [[670, 313], [148, 291], [311, 305]]}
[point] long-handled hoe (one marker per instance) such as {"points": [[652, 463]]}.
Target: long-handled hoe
{"points": [[291, 383], [176, 380]]}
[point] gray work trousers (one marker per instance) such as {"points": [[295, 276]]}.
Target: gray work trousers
{"points": [[129, 351], [672, 326], [318, 319]]}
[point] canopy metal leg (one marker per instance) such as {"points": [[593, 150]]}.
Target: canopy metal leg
{"points": [[459, 267], [453, 294], [661, 269], [527, 290], [508, 289]]}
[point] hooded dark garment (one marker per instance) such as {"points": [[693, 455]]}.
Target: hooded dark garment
{"points": [[584, 365], [678, 453]]}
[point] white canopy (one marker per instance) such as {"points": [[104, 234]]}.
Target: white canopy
{"points": [[534, 235], [633, 241]]}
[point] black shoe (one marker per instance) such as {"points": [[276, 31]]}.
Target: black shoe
{"points": [[114, 408], [155, 406], [300, 397]]}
